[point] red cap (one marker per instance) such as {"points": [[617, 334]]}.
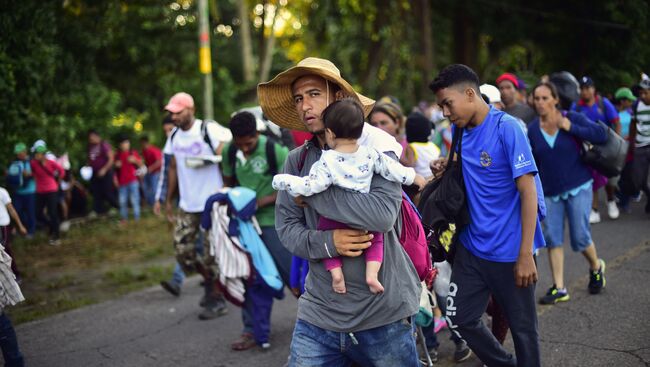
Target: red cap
{"points": [[179, 102], [512, 78]]}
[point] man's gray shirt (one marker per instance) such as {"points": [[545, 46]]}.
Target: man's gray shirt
{"points": [[376, 211]]}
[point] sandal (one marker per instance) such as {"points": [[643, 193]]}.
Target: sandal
{"points": [[246, 341]]}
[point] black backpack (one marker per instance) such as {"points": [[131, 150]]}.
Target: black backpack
{"points": [[271, 159]]}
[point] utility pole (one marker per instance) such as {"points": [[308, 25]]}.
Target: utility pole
{"points": [[205, 60]]}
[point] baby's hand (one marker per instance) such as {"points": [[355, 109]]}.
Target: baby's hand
{"points": [[420, 182]]}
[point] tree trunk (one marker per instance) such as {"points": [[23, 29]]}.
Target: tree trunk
{"points": [[269, 46], [246, 43], [427, 46], [465, 39]]}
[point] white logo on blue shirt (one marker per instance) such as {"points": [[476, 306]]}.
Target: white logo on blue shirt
{"points": [[522, 161]]}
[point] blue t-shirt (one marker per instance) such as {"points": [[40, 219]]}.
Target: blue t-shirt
{"points": [[606, 114], [494, 154], [626, 117]]}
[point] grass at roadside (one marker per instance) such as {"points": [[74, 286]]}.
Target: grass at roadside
{"points": [[97, 260]]}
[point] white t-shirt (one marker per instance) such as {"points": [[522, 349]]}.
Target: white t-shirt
{"points": [[196, 185], [352, 171], [642, 125], [5, 199], [377, 138]]}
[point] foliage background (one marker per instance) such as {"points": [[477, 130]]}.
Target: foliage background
{"points": [[70, 65]]}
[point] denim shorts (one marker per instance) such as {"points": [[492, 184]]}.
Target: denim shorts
{"points": [[576, 209]]}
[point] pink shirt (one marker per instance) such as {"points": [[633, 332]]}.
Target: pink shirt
{"points": [[44, 175]]}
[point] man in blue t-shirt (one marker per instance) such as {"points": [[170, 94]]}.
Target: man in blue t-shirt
{"points": [[599, 108], [504, 197]]}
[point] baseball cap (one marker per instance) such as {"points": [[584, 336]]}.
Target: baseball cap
{"points": [[624, 93], [179, 102], [20, 147], [512, 78], [586, 81], [40, 149], [491, 92], [645, 84], [38, 143]]}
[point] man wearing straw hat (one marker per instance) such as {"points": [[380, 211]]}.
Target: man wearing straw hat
{"points": [[358, 326]]}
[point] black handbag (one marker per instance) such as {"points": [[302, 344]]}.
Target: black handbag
{"points": [[443, 206], [607, 158]]}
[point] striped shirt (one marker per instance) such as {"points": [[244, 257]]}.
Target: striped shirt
{"points": [[642, 115]]}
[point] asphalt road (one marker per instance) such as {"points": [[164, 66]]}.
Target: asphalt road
{"points": [[152, 328]]}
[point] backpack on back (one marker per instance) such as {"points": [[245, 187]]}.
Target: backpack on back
{"points": [[15, 178]]}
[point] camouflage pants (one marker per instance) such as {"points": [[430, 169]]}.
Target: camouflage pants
{"points": [[186, 233]]}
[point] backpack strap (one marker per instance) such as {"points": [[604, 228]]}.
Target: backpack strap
{"points": [[174, 131], [303, 157], [232, 159], [271, 159], [206, 137]]}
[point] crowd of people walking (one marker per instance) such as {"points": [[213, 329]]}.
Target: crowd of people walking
{"points": [[332, 198]]}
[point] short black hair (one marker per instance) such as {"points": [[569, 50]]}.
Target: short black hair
{"points": [[144, 138], [455, 74], [167, 119], [93, 132], [345, 118], [243, 124]]}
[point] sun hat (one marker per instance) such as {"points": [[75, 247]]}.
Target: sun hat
{"points": [[179, 102], [276, 98], [20, 147], [491, 92], [624, 93]]}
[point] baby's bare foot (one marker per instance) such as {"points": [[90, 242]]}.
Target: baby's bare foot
{"points": [[338, 282]]}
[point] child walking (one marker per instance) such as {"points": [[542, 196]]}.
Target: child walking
{"points": [[127, 161], [349, 166]]}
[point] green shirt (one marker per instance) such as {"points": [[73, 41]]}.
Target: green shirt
{"points": [[252, 172]]}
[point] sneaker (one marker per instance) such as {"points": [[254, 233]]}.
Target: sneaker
{"points": [[637, 198], [554, 296], [213, 312], [53, 242], [462, 352], [594, 217], [170, 287], [433, 354], [597, 278], [612, 210]]}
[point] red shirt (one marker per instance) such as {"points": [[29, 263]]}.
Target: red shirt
{"points": [[44, 175], [151, 154], [126, 173]]}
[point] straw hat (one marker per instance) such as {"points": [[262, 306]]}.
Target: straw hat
{"points": [[276, 98]]}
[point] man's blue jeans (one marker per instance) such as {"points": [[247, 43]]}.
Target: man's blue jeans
{"points": [[9, 343], [150, 182], [386, 346]]}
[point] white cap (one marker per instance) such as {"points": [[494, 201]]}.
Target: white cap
{"points": [[491, 92]]}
